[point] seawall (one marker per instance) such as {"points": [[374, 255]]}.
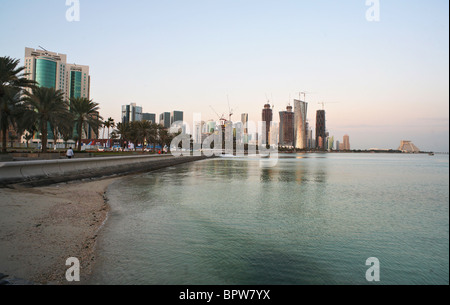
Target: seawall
{"points": [[40, 173]]}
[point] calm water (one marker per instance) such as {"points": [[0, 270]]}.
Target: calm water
{"points": [[312, 219]]}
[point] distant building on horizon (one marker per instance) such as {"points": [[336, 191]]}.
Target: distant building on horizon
{"points": [[346, 142], [274, 134], [176, 116], [211, 126], [164, 119], [267, 117], [131, 113], [300, 131], [321, 133], [198, 132], [244, 121], [149, 117], [286, 137], [408, 147], [310, 142]]}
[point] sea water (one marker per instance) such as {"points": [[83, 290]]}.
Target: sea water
{"points": [[311, 219]]}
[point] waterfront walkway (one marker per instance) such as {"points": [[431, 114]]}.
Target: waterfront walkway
{"points": [[46, 172]]}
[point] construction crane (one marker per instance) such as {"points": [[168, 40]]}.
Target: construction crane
{"points": [[304, 93], [221, 117], [230, 111], [323, 104]]}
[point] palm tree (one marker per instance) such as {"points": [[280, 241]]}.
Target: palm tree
{"points": [[66, 131], [108, 124], [103, 125], [145, 131], [11, 108], [122, 129], [165, 137], [45, 106], [86, 113], [12, 76], [12, 81], [152, 137], [133, 133]]}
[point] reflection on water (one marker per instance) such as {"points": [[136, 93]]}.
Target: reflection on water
{"points": [[309, 220]]}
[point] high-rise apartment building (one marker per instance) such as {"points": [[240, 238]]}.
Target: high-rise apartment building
{"points": [[51, 70], [321, 133], [286, 137], [300, 131], [267, 117]]}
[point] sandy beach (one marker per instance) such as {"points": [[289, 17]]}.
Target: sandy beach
{"points": [[41, 227]]}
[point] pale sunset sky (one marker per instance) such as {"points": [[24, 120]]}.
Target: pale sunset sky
{"points": [[384, 81]]}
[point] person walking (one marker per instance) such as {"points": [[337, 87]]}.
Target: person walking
{"points": [[70, 153]]}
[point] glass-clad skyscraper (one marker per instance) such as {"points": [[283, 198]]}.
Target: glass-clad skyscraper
{"points": [[300, 130], [51, 70]]}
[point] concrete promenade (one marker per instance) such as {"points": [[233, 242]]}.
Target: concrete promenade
{"points": [[40, 173]]}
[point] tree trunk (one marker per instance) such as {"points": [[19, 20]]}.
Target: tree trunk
{"points": [[44, 137], [79, 129], [103, 134], [4, 140]]}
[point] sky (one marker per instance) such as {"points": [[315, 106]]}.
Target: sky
{"points": [[380, 81]]}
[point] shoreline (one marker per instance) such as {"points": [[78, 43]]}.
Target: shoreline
{"points": [[42, 227], [45, 221]]}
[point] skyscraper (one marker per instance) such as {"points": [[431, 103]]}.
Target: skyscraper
{"points": [[320, 130], [244, 121], [176, 116], [286, 137], [346, 142], [164, 119], [211, 127], [331, 143], [149, 117], [51, 70], [267, 117], [131, 113], [300, 131]]}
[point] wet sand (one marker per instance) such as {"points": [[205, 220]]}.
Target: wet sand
{"points": [[40, 228]]}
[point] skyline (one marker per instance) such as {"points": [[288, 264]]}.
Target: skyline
{"points": [[385, 81]]}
